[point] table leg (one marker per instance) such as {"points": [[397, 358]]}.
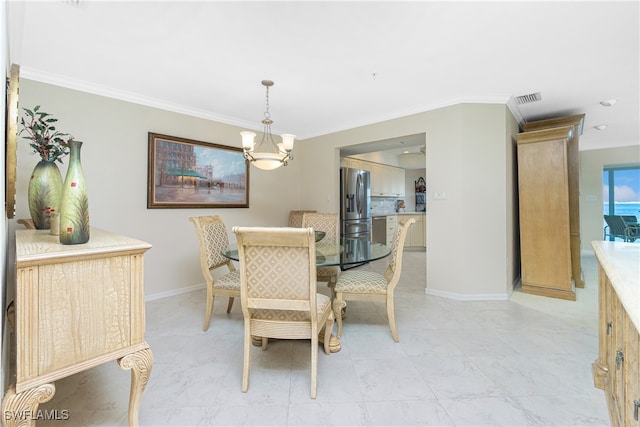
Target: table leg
{"points": [[334, 342], [21, 409], [140, 364]]}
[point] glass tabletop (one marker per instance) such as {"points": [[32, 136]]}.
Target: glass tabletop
{"points": [[347, 252]]}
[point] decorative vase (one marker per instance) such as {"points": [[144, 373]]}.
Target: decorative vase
{"points": [[45, 191], [74, 205]]}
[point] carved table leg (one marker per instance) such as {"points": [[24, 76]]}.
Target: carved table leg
{"points": [[22, 409], [334, 342], [140, 364]]}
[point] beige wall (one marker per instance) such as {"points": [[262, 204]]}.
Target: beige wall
{"points": [[470, 232], [114, 161], [591, 166], [511, 190]]}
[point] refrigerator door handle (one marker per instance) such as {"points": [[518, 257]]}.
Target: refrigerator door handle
{"points": [[359, 200]]}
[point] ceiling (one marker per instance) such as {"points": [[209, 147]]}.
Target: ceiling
{"points": [[339, 65]]}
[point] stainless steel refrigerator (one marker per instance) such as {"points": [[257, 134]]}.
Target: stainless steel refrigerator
{"points": [[355, 200]]}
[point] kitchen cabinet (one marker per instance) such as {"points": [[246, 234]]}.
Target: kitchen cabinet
{"points": [[396, 176], [379, 185], [617, 368], [392, 225], [416, 234], [76, 307], [348, 162], [549, 207], [386, 181]]}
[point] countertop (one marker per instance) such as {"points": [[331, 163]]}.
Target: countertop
{"points": [[373, 215], [621, 262]]}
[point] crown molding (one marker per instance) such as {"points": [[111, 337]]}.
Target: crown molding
{"points": [[57, 80]]}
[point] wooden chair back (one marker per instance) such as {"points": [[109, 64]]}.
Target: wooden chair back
{"points": [[213, 239], [277, 268], [295, 218], [394, 269]]}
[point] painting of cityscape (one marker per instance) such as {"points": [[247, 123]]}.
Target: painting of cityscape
{"points": [[192, 174]]}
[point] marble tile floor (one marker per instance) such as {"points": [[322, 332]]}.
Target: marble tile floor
{"points": [[498, 363]]}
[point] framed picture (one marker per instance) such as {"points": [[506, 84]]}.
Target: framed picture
{"points": [[10, 143], [184, 173]]}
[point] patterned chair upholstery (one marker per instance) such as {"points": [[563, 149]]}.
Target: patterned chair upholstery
{"points": [[213, 239], [278, 291], [295, 218], [330, 224], [367, 285]]}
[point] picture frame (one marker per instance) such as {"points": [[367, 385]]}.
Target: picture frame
{"points": [[184, 173], [10, 155]]}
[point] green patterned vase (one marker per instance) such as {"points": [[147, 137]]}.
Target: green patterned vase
{"points": [[74, 205], [45, 190]]}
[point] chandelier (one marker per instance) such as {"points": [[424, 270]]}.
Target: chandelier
{"points": [[266, 154]]}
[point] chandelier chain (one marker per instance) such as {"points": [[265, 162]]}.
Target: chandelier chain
{"points": [[267, 114]]}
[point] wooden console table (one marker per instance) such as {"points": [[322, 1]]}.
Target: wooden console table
{"points": [[617, 368], [76, 307]]}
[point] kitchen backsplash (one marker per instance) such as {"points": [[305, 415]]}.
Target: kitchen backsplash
{"points": [[383, 205]]}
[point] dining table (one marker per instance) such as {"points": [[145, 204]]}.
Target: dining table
{"points": [[345, 252]]}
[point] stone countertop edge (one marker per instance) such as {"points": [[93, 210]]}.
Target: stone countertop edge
{"points": [[621, 263], [396, 213]]}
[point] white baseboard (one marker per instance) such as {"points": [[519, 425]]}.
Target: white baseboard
{"points": [[467, 297], [174, 292]]}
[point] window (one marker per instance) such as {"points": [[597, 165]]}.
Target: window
{"points": [[621, 190]]}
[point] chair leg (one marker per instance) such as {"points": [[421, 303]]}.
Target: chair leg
{"points": [[338, 304], [230, 304], [392, 318], [209, 309], [247, 357], [328, 330], [314, 362]]}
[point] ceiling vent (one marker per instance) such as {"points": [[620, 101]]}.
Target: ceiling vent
{"points": [[529, 98]]}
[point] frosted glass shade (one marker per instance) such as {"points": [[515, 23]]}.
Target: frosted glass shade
{"points": [[287, 141], [248, 140]]}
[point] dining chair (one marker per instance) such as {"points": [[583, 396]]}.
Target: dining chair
{"points": [[213, 239], [330, 224], [295, 218], [365, 285], [278, 291]]}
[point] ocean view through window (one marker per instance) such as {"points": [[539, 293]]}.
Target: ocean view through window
{"points": [[621, 191]]}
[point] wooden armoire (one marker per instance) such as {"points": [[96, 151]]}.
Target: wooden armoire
{"points": [[548, 185]]}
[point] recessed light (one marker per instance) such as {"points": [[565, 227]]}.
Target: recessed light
{"points": [[601, 127], [608, 102]]}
